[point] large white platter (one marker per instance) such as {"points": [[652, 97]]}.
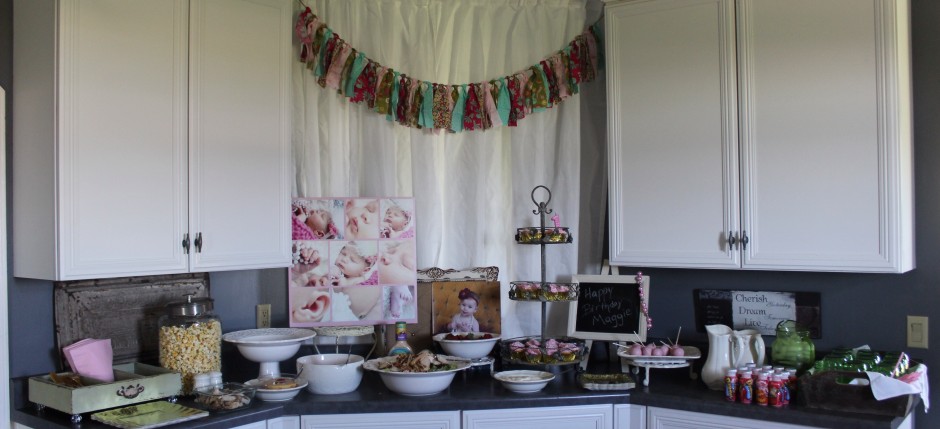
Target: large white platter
{"points": [[269, 336]]}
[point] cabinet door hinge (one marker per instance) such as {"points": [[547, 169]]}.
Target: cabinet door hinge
{"points": [[185, 243]]}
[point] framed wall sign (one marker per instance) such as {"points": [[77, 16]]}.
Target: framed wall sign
{"points": [[609, 308]]}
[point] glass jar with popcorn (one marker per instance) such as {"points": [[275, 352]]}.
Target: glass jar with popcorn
{"points": [[190, 339]]}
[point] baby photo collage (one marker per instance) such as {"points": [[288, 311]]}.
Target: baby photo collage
{"points": [[353, 262]]}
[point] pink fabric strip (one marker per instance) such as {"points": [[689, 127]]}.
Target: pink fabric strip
{"points": [[335, 72], [490, 105]]}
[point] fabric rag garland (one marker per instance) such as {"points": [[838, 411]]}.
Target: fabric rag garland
{"points": [[435, 106]]}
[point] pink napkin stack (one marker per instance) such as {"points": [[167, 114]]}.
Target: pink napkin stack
{"points": [[91, 358]]}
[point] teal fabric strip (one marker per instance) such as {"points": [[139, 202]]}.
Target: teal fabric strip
{"points": [[503, 103], [358, 65], [456, 120], [327, 35], [393, 103], [426, 118]]}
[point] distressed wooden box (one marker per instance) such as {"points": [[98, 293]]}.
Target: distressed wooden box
{"points": [[133, 383]]}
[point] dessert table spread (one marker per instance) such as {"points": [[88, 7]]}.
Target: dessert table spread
{"points": [[475, 389]]}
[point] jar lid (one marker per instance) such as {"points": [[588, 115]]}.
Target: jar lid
{"points": [[190, 307]]}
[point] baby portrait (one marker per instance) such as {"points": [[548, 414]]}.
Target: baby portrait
{"points": [[311, 263], [471, 306], [361, 217], [354, 263], [397, 218], [316, 219], [397, 264], [354, 304], [310, 305], [402, 302]]}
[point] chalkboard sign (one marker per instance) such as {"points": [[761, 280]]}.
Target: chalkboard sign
{"points": [[608, 308], [760, 310]]}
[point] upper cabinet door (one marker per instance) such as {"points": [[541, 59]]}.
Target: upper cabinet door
{"points": [[150, 137], [100, 138], [240, 56], [672, 133], [764, 134], [825, 134]]}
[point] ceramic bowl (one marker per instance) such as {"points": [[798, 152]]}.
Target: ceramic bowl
{"points": [[331, 374], [524, 381], [265, 392], [467, 345], [225, 397], [416, 383]]}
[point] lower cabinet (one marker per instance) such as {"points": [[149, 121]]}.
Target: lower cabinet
{"points": [[664, 418], [573, 417], [286, 422], [420, 420]]}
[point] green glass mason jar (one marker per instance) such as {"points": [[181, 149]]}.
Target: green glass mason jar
{"points": [[793, 347]]}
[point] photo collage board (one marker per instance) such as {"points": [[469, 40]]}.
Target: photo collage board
{"points": [[353, 262]]}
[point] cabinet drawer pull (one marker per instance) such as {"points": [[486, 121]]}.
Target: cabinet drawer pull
{"points": [[198, 242], [731, 240], [185, 244], [744, 240]]}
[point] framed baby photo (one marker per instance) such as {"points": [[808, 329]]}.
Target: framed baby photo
{"points": [[353, 261], [465, 306]]}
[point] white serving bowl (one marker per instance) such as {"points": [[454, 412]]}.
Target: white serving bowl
{"points": [[416, 383], [469, 349], [277, 395], [524, 381], [268, 346], [331, 374]]}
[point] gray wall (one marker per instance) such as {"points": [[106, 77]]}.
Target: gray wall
{"points": [[856, 308]]}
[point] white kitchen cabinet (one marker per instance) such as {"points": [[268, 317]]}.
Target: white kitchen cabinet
{"points": [[413, 420], [629, 416], [286, 422], [760, 134], [664, 418], [256, 425], [141, 126], [573, 417]]}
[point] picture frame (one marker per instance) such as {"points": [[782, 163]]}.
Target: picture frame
{"points": [[609, 308]]}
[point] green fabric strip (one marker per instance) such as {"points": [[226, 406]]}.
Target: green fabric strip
{"points": [[358, 65], [426, 118], [327, 35], [456, 121], [503, 103], [393, 105]]}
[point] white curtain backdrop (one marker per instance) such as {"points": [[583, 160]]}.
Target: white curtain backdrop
{"points": [[471, 189]]}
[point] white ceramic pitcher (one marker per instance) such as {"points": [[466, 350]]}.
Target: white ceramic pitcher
{"points": [[719, 356], [747, 347]]}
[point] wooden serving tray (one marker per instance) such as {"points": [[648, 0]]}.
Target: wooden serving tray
{"points": [[133, 383]]}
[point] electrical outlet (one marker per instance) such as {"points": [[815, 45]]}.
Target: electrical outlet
{"points": [[917, 332], [264, 315]]}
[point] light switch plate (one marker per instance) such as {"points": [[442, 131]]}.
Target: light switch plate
{"points": [[917, 332]]}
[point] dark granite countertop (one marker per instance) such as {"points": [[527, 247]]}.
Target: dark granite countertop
{"points": [[475, 389]]}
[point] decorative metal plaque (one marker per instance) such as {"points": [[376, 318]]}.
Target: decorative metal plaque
{"points": [[125, 310]]}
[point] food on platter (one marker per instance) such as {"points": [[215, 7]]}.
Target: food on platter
{"points": [[423, 361]]}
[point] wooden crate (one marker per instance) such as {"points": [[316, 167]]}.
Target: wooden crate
{"points": [[828, 391], [133, 383]]}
